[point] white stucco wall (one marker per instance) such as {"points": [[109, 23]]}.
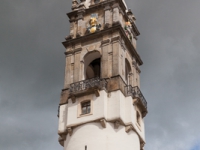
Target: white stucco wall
{"points": [[62, 118], [98, 138], [113, 107], [99, 109]]}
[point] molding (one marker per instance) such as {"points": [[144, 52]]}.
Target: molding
{"points": [[105, 42], [107, 7], [78, 34], [61, 141], [115, 23], [73, 98], [70, 131], [96, 92], [116, 124], [116, 5], [74, 4], [107, 25], [62, 137], [128, 128], [74, 51], [116, 39], [139, 127], [117, 27], [72, 19], [100, 4], [62, 133], [103, 123]]}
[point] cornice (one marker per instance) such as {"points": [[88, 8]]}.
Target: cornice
{"points": [[117, 122], [117, 27], [102, 4]]}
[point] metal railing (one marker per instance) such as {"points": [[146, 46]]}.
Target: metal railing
{"points": [[136, 93], [87, 84]]}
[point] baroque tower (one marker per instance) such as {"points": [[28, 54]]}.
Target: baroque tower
{"points": [[101, 105]]}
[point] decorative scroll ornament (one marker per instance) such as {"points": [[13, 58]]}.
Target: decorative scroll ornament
{"points": [[127, 29], [93, 24]]}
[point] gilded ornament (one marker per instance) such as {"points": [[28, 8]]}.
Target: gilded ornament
{"points": [[127, 29], [93, 24]]}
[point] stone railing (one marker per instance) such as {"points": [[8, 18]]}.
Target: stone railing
{"points": [[93, 83], [136, 93]]}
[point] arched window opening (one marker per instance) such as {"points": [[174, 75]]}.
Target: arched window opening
{"points": [[93, 69], [92, 65], [127, 72]]}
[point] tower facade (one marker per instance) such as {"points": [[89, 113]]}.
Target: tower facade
{"points": [[101, 105]]}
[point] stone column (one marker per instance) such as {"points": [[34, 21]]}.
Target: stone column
{"points": [[116, 17], [134, 76], [104, 60], [68, 71], [77, 66], [108, 16], [80, 23], [72, 27], [110, 62], [116, 56]]}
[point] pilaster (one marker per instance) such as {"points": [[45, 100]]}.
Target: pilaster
{"points": [[72, 27], [116, 10], [116, 55], [77, 66], [108, 15], [104, 60], [68, 71], [81, 23]]}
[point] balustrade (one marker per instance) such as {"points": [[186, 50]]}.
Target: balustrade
{"points": [[88, 84], [136, 93]]}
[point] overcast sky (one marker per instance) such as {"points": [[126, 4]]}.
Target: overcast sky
{"points": [[32, 71]]}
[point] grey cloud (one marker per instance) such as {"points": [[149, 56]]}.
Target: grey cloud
{"points": [[32, 71]]}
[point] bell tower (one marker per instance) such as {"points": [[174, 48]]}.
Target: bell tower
{"points": [[101, 105]]}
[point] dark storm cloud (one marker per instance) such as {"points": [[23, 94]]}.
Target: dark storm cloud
{"points": [[32, 71], [169, 46]]}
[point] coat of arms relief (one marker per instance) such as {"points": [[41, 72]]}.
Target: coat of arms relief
{"points": [[93, 24]]}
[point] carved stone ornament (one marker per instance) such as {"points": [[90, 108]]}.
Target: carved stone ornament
{"points": [[74, 4], [93, 24], [103, 123], [127, 29], [70, 131]]}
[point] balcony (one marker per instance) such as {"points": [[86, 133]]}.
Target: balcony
{"points": [[92, 85], [137, 94]]}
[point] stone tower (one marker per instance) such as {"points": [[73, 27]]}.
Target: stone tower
{"points": [[101, 106]]}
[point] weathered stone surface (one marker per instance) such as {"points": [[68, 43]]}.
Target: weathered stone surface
{"points": [[64, 97]]}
